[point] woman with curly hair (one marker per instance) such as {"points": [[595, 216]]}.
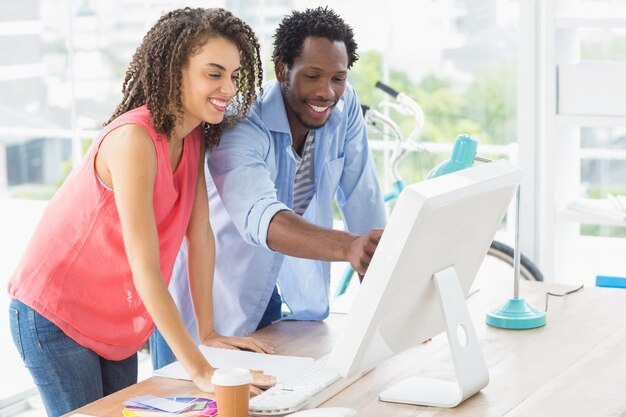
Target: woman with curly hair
{"points": [[93, 280]]}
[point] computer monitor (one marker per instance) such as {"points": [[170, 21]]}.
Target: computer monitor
{"points": [[416, 284]]}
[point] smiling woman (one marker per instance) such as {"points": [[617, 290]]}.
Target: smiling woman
{"points": [[210, 80], [93, 279]]}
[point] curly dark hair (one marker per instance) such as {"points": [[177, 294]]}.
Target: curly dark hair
{"points": [[154, 76], [320, 22]]}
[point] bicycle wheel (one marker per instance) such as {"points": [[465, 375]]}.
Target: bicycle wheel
{"points": [[503, 252]]}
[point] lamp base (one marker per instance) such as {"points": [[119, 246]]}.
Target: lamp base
{"points": [[516, 314]]}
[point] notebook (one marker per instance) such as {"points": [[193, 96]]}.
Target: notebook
{"points": [[276, 365]]}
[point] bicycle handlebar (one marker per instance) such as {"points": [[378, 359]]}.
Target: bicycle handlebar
{"points": [[387, 89], [405, 105]]}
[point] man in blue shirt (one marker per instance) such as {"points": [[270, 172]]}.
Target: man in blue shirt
{"points": [[274, 178]]}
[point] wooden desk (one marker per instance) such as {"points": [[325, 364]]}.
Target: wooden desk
{"points": [[574, 366]]}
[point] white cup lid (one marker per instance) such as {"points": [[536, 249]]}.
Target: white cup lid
{"points": [[231, 377]]}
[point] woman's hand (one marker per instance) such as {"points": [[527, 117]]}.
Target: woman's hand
{"points": [[246, 343], [202, 379], [260, 381]]}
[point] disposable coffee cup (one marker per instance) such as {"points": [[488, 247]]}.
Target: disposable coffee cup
{"points": [[232, 391]]}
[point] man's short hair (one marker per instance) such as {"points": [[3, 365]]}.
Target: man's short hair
{"points": [[320, 22]]}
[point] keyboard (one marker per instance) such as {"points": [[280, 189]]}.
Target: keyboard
{"points": [[309, 388]]}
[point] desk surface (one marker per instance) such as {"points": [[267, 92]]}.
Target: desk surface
{"points": [[574, 366]]}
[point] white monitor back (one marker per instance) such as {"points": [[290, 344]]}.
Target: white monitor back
{"points": [[443, 222]]}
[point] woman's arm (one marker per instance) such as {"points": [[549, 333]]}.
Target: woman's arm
{"points": [[127, 160], [201, 264]]}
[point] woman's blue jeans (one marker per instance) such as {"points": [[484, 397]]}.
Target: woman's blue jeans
{"points": [[66, 374]]}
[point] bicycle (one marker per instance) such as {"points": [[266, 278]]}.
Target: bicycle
{"points": [[463, 156]]}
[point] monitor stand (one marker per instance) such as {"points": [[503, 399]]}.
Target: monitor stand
{"points": [[471, 371]]}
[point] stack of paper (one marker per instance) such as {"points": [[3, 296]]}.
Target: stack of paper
{"points": [[279, 366], [612, 207], [151, 406]]}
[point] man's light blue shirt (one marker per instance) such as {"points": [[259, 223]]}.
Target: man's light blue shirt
{"points": [[250, 178]]}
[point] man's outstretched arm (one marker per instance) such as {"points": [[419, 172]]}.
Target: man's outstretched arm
{"points": [[292, 235]]}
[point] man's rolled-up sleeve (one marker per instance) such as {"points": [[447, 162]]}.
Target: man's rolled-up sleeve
{"points": [[243, 181]]}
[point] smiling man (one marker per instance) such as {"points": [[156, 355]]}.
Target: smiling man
{"points": [[275, 176]]}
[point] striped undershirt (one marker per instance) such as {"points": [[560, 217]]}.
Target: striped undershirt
{"points": [[304, 185]]}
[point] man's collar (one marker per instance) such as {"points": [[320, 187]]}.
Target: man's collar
{"points": [[274, 114]]}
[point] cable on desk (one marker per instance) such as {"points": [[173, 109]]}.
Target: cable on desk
{"points": [[563, 294]]}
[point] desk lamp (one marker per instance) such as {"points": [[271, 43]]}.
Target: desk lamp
{"points": [[515, 313]]}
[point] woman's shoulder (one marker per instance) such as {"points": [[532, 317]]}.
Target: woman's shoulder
{"points": [[139, 116], [128, 140]]}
